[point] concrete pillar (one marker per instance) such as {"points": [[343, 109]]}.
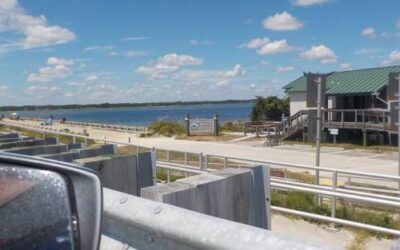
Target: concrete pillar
{"points": [[238, 194], [365, 143], [215, 125], [187, 123]]}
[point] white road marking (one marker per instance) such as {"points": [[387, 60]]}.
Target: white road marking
{"points": [[367, 156]]}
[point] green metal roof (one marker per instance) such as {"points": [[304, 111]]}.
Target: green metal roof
{"points": [[359, 81]]}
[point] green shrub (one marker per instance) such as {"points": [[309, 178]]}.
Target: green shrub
{"points": [[299, 201], [166, 128]]}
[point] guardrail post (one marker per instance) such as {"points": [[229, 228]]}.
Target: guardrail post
{"points": [[154, 150], [185, 158], [168, 156], [73, 139], [205, 161], [333, 200], [342, 118], [168, 176], [225, 162], [201, 160], [85, 142]]}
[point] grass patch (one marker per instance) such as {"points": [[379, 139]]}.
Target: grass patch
{"points": [[344, 210], [62, 138], [349, 146], [360, 240], [162, 175], [166, 128]]}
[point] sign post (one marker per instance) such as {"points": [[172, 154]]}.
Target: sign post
{"points": [[318, 136], [201, 126]]}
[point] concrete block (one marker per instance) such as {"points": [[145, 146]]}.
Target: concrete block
{"points": [[39, 150], [236, 194], [127, 173], [107, 149], [29, 143], [65, 156], [9, 135], [75, 146], [10, 140]]}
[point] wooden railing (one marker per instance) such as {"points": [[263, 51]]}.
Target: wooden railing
{"points": [[374, 119]]}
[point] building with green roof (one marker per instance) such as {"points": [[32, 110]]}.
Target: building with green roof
{"points": [[354, 101], [354, 89]]}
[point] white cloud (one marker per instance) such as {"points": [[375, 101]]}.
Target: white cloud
{"points": [[345, 66], [275, 47], [308, 2], [167, 64], [95, 48], [280, 70], [128, 54], [255, 43], [36, 31], [393, 57], [372, 34], [59, 61], [134, 53], [263, 62], [236, 72], [367, 51], [207, 78], [196, 42], [57, 68], [135, 38], [41, 90], [398, 24], [3, 88], [92, 78], [282, 22], [369, 32], [322, 53]]}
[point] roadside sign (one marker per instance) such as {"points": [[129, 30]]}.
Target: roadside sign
{"points": [[334, 131], [201, 126]]}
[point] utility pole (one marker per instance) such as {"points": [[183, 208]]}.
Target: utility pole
{"points": [[318, 136]]}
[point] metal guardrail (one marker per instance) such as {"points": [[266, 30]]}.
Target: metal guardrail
{"points": [[145, 224], [333, 192]]}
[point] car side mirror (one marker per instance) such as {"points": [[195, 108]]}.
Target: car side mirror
{"points": [[46, 204]]}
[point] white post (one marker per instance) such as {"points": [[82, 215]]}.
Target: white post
{"points": [[318, 136], [398, 125]]}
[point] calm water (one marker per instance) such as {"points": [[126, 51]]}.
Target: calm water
{"points": [[145, 115]]}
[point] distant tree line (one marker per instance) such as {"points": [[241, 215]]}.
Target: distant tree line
{"points": [[269, 108], [117, 105]]}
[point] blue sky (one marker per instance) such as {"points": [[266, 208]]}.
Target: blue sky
{"points": [[59, 52]]}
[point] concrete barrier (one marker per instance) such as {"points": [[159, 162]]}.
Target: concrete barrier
{"points": [[75, 146], [10, 140], [236, 194], [126, 173], [77, 153], [39, 150], [131, 222], [65, 156], [107, 149], [29, 143], [9, 135]]}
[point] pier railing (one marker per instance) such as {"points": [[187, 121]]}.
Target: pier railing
{"points": [[377, 190]]}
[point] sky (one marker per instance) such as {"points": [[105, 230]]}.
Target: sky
{"points": [[96, 51]]}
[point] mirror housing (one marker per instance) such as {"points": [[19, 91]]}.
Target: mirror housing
{"points": [[84, 194]]}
